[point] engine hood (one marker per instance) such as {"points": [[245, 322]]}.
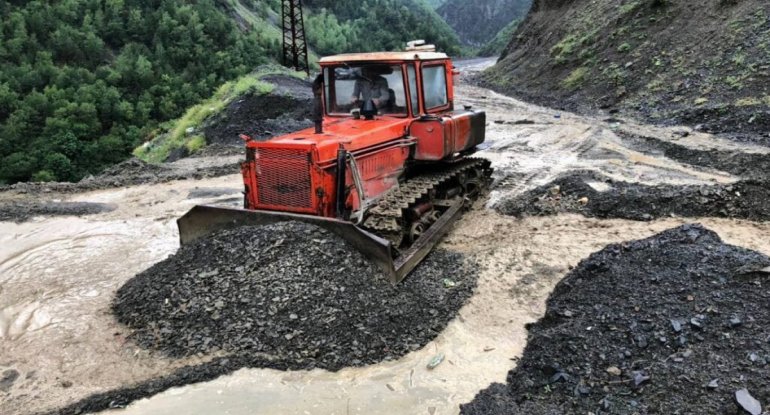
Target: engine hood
{"points": [[352, 134]]}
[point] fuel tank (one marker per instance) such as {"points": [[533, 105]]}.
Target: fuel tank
{"points": [[440, 136]]}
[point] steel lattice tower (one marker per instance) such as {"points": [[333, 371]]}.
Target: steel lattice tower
{"points": [[294, 45]]}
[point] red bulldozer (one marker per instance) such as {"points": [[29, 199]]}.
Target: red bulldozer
{"points": [[387, 165]]}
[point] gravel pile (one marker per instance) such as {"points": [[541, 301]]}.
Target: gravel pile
{"points": [[135, 171], [22, 210], [286, 109], [736, 162], [677, 323], [289, 295], [745, 199], [128, 173]]}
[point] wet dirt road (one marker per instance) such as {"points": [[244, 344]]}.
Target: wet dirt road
{"points": [[58, 276]]}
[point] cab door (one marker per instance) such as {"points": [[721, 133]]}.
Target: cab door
{"points": [[441, 131]]}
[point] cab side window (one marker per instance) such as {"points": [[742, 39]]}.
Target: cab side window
{"points": [[434, 86]]}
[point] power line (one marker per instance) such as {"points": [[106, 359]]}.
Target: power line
{"points": [[294, 44]]}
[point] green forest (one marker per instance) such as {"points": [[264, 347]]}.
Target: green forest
{"points": [[83, 82]]}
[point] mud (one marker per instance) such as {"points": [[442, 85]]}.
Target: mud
{"points": [[20, 211], [286, 109], [122, 397], [625, 335], [258, 302], [747, 199], [219, 150]]}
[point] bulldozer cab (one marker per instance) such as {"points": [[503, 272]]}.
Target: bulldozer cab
{"points": [[350, 86], [403, 84]]}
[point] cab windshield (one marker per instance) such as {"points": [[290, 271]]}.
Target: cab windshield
{"points": [[347, 87]]}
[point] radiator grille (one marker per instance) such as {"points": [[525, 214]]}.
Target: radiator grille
{"points": [[283, 178]]}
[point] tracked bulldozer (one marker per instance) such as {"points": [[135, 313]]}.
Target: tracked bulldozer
{"points": [[387, 165]]}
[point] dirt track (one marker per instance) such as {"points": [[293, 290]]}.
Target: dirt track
{"points": [[58, 277]]}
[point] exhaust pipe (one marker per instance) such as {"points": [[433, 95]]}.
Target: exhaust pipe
{"points": [[318, 109], [342, 156]]}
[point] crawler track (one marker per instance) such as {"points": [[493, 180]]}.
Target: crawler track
{"points": [[391, 217]]}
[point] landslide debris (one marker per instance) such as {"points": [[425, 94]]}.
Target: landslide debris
{"points": [[286, 109], [22, 210], [127, 173], [675, 323], [746, 199], [289, 296], [698, 62], [739, 163]]}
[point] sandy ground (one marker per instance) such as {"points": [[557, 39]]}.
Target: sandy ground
{"points": [[58, 276]]}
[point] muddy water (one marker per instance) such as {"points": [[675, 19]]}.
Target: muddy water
{"points": [[58, 276]]}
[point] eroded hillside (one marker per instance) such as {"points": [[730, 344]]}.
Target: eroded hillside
{"points": [[703, 62]]}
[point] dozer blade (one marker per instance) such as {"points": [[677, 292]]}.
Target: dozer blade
{"points": [[204, 220]]}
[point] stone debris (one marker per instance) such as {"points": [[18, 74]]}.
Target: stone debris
{"points": [[628, 362], [289, 295]]}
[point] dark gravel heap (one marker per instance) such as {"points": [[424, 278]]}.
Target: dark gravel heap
{"points": [[740, 163], [286, 109], [128, 173], [23, 210], [135, 171], [672, 324], [289, 295], [747, 199]]}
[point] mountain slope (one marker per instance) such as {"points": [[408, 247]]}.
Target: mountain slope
{"points": [[477, 22], [668, 61]]}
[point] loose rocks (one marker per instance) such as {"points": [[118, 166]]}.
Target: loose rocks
{"points": [[739, 163], [22, 210], [623, 300], [128, 173], [745, 199], [289, 295], [286, 109]]}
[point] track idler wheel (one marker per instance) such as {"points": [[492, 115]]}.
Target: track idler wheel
{"points": [[416, 230], [424, 216], [471, 183]]}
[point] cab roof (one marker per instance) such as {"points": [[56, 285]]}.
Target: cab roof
{"points": [[383, 56]]}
